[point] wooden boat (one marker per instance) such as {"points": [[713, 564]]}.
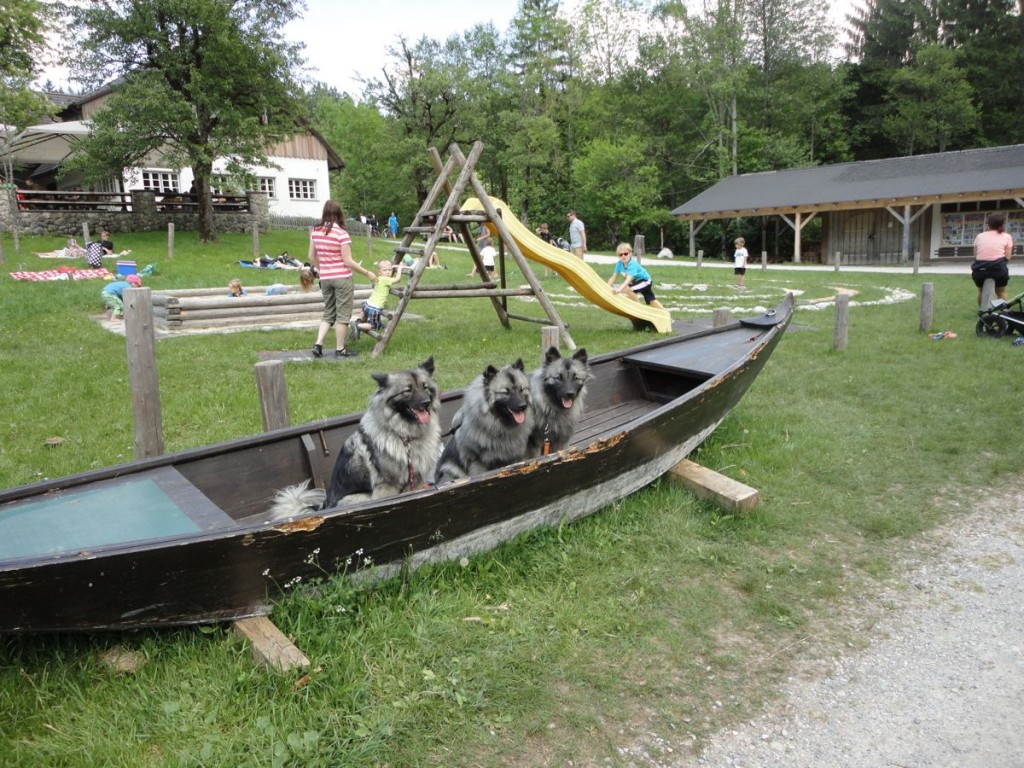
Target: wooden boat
{"points": [[185, 538]]}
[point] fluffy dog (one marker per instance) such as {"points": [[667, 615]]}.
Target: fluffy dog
{"points": [[394, 449], [492, 427], [558, 387]]}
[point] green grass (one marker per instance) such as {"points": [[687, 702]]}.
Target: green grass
{"points": [[660, 614]]}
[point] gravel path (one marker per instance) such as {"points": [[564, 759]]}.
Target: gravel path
{"points": [[941, 681]]}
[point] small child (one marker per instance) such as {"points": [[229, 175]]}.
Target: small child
{"points": [[372, 318], [739, 262], [73, 250], [107, 243], [307, 275], [235, 288], [113, 292]]}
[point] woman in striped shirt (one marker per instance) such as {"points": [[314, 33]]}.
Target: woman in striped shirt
{"points": [[330, 252]]}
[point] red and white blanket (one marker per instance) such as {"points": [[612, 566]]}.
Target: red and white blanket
{"points": [[63, 273]]}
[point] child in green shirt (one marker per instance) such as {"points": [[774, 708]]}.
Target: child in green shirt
{"points": [[372, 318]]}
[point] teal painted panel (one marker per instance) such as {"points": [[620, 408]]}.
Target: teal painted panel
{"points": [[133, 510]]}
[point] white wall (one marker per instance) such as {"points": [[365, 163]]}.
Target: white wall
{"points": [[290, 168]]}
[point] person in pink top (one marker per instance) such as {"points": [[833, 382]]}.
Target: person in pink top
{"points": [[992, 250], [330, 252]]}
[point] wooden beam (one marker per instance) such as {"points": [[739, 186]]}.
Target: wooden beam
{"points": [[724, 491], [269, 644], [852, 205]]}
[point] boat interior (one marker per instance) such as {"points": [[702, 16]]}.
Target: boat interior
{"points": [[231, 484]]}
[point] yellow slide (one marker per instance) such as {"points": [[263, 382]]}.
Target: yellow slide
{"points": [[581, 277]]}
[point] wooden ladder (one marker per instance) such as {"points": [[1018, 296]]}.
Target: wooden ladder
{"points": [[432, 220]]}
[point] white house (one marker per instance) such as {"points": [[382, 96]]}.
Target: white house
{"points": [[296, 188]]}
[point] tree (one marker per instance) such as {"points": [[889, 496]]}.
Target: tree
{"points": [[986, 35], [368, 143], [22, 39], [200, 80], [618, 185], [930, 103], [423, 91], [22, 35]]}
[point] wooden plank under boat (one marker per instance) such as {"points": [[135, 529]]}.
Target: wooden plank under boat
{"points": [[185, 538]]}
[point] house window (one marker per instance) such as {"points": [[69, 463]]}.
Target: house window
{"points": [[160, 181], [267, 186], [302, 189]]}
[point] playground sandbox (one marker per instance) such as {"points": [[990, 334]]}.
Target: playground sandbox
{"points": [[211, 309]]}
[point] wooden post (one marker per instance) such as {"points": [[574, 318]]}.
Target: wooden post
{"points": [[988, 290], [764, 259], [927, 298], [170, 240], [842, 331], [269, 644], [639, 246], [255, 240], [700, 257], [917, 261], [142, 374], [85, 233], [722, 316], [548, 339], [273, 394], [837, 260]]}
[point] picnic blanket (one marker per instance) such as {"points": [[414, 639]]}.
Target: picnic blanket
{"points": [[63, 273]]}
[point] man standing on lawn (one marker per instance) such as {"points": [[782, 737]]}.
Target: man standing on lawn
{"points": [[577, 235]]}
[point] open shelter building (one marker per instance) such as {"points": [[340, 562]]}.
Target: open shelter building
{"points": [[891, 211]]}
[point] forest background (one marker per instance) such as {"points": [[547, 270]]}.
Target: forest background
{"points": [[622, 111]]}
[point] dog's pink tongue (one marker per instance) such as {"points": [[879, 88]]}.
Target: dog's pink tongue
{"points": [[519, 416], [422, 416], [567, 402]]}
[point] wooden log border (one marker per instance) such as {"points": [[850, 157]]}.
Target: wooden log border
{"points": [[212, 308]]}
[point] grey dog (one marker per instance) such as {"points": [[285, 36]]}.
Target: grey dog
{"points": [[394, 449], [493, 425], [559, 387]]}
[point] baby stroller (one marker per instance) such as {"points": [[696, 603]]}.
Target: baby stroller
{"points": [[1001, 318]]}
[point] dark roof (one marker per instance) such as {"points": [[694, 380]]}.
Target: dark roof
{"points": [[972, 174]]}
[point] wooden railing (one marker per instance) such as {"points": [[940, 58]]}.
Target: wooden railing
{"points": [[187, 202], [35, 200]]}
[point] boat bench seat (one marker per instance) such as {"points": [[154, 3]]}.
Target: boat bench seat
{"points": [[704, 357]]}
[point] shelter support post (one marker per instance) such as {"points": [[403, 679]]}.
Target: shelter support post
{"points": [[695, 227], [906, 219], [797, 223]]}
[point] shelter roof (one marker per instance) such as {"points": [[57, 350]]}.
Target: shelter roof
{"points": [[972, 174]]}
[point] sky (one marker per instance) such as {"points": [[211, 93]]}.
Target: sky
{"points": [[344, 40], [341, 45]]}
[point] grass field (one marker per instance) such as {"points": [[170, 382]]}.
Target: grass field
{"points": [[654, 622]]}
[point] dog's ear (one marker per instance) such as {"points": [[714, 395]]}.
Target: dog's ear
{"points": [[428, 365], [489, 373], [381, 379], [581, 355], [551, 355], [519, 364]]}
